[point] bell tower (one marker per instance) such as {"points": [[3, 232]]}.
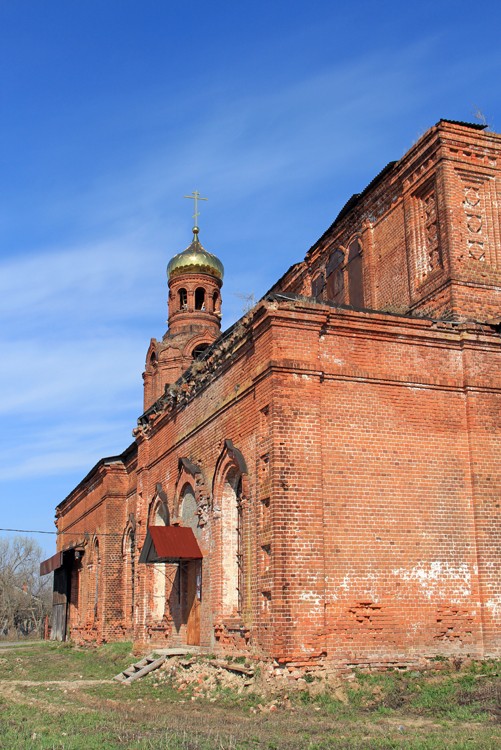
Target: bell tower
{"points": [[195, 278]]}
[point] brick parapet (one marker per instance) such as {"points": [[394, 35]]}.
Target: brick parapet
{"points": [[428, 226]]}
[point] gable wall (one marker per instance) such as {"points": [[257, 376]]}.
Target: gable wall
{"points": [[98, 509]]}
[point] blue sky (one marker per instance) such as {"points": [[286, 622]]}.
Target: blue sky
{"points": [[112, 111]]}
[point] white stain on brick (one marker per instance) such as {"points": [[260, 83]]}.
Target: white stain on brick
{"points": [[345, 583], [439, 578], [310, 596], [494, 606]]}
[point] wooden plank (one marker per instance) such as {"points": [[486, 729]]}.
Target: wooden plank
{"points": [[231, 667], [168, 652], [58, 630], [146, 670], [139, 669]]}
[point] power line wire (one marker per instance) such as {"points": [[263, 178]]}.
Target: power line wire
{"points": [[61, 533]]}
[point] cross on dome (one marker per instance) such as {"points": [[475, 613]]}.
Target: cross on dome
{"points": [[195, 196]]}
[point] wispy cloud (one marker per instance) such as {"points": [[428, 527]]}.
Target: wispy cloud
{"points": [[78, 306], [77, 316], [62, 447], [266, 139]]}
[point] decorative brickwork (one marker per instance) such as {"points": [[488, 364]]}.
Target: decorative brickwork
{"points": [[336, 452]]}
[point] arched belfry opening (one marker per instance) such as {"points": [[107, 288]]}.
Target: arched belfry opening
{"points": [[183, 299], [216, 302], [200, 298]]}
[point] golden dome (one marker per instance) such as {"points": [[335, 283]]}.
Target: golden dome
{"points": [[195, 259]]}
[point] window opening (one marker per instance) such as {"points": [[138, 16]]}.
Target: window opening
{"points": [[240, 549], [183, 299], [96, 577], [233, 544], [355, 276], [317, 287], [199, 349], [335, 277], [160, 518], [200, 298], [132, 562], [189, 515]]}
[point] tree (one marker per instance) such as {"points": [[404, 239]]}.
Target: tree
{"points": [[25, 597]]}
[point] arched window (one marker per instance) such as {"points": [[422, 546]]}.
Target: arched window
{"points": [[233, 561], [335, 277], [200, 298], [183, 299], [159, 517], [317, 286], [199, 349], [240, 547], [216, 302], [129, 553], [229, 490], [355, 275], [97, 569], [189, 515]]}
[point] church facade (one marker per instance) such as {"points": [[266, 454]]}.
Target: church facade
{"points": [[320, 483]]}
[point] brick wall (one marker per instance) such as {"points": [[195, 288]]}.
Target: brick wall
{"points": [[336, 456], [402, 542], [94, 518]]}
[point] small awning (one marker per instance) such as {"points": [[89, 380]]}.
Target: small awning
{"points": [[52, 563], [169, 543], [65, 556]]}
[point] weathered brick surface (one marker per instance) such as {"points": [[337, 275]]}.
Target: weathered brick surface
{"points": [[97, 511], [337, 462]]}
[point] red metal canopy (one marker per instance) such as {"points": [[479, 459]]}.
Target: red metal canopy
{"points": [[170, 543], [52, 563]]}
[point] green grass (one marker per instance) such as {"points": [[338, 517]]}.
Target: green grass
{"points": [[411, 711], [64, 661]]}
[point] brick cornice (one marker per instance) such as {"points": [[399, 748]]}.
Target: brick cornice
{"points": [[305, 313]]}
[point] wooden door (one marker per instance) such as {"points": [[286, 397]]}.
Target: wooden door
{"points": [[193, 599], [60, 598]]}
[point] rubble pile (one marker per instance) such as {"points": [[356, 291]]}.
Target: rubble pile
{"points": [[202, 677], [205, 677]]}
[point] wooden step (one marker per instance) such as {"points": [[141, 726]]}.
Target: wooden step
{"points": [[140, 669]]}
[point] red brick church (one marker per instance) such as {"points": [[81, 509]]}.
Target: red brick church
{"points": [[321, 482]]}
